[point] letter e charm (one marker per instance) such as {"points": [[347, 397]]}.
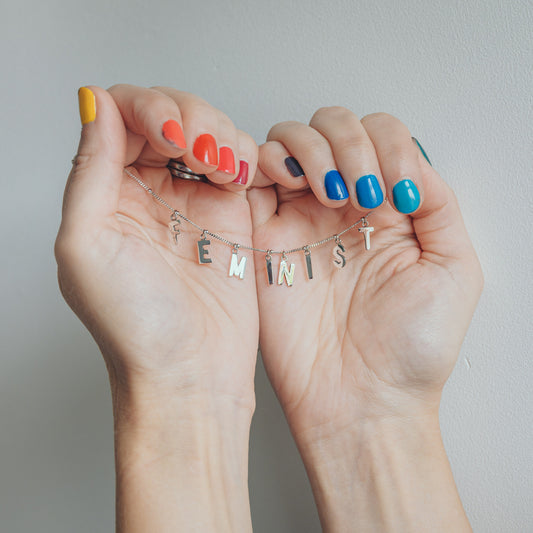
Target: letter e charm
{"points": [[203, 252]]}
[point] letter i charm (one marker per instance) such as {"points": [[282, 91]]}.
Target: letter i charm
{"points": [[308, 264], [366, 230], [268, 260], [237, 268]]}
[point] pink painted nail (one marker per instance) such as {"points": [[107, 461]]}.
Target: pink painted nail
{"points": [[242, 178]]}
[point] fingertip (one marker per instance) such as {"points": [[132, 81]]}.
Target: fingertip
{"points": [[86, 105], [406, 196], [173, 133], [280, 167]]}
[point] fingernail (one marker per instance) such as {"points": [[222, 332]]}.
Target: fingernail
{"points": [[87, 102], [226, 160], [368, 191], [173, 133], [405, 196], [206, 150], [335, 186], [242, 178], [294, 167], [422, 150]]}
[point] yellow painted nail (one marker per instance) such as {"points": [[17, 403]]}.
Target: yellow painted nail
{"points": [[87, 105]]}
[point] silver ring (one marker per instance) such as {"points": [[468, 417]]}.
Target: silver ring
{"points": [[179, 170]]}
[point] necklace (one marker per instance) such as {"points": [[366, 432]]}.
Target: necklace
{"points": [[237, 267]]}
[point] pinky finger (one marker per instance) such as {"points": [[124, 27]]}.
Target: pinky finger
{"points": [[247, 163], [279, 166]]}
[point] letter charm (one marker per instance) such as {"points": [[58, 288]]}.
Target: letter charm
{"points": [[174, 226], [338, 258], [366, 230], [268, 260], [284, 272], [308, 264], [202, 251], [237, 268]]}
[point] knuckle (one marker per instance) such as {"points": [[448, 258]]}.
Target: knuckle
{"points": [[159, 88], [350, 142], [337, 113], [226, 123], [286, 128], [118, 87], [396, 152], [378, 118], [247, 145]]}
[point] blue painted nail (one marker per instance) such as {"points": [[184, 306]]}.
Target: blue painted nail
{"points": [[369, 193], [406, 196], [335, 186]]}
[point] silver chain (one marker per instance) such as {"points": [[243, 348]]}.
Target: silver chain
{"points": [[269, 252]]}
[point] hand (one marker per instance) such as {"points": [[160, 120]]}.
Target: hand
{"points": [[158, 316], [370, 345], [179, 339]]}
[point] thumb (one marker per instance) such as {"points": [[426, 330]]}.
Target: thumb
{"points": [[93, 187]]}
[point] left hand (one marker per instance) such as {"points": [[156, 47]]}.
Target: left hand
{"points": [[378, 338]]}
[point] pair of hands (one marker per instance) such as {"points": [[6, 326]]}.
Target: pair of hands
{"points": [[371, 343]]}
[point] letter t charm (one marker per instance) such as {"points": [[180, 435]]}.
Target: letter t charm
{"points": [[366, 230]]}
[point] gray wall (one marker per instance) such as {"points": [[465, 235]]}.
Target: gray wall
{"points": [[458, 73]]}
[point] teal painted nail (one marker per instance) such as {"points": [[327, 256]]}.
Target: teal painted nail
{"points": [[405, 196], [422, 150]]}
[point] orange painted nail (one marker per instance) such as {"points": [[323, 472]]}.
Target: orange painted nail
{"points": [[173, 133], [226, 160], [206, 150]]}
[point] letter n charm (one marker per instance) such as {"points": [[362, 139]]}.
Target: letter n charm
{"points": [[284, 272]]}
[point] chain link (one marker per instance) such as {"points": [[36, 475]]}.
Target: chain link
{"points": [[234, 245]]}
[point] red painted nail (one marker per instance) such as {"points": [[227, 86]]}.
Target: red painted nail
{"points": [[173, 133], [226, 160], [206, 150], [242, 178]]}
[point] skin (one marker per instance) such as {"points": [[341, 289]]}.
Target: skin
{"points": [[358, 357], [180, 360]]}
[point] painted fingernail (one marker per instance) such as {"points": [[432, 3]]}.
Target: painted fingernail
{"points": [[335, 186], [226, 160], [242, 178], [405, 196], [87, 102], [422, 150], [206, 150], [368, 191], [173, 133], [294, 167]]}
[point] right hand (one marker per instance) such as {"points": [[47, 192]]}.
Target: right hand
{"points": [[162, 321]]}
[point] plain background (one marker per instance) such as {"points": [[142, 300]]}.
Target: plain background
{"points": [[458, 73]]}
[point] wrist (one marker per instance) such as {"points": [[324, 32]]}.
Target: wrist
{"points": [[188, 454], [385, 475]]}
